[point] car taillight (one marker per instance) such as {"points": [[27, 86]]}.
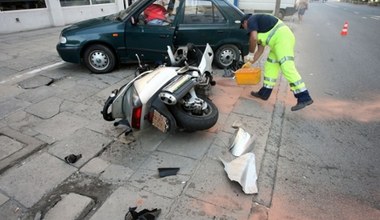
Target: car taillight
{"points": [[136, 117]]}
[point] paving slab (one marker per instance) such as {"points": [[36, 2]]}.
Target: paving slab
{"points": [[250, 107], [150, 139], [116, 174], [221, 147], [23, 146], [11, 105], [77, 92], [220, 123], [130, 154], [189, 209], [79, 109], [104, 93], [83, 141], [7, 92], [6, 72], [225, 94], [162, 159], [8, 146], [180, 144], [95, 166], [90, 109], [90, 80], [258, 212], [60, 126], [211, 184], [118, 203], [2, 124], [35, 81], [72, 207], [251, 124], [110, 79], [57, 73], [23, 122], [42, 174], [11, 210], [37, 94], [46, 108], [101, 126], [3, 199], [169, 186]]}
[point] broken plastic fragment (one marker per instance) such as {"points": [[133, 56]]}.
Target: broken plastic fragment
{"points": [[72, 158], [170, 171], [243, 170], [145, 214], [242, 143]]}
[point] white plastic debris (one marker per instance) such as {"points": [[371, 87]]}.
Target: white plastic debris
{"points": [[243, 170], [242, 143]]}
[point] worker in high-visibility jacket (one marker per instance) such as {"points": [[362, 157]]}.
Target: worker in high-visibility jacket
{"points": [[267, 30]]}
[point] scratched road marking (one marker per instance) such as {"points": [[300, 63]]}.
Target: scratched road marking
{"points": [[32, 72]]}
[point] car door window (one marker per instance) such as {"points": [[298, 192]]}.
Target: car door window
{"points": [[159, 13], [202, 12]]}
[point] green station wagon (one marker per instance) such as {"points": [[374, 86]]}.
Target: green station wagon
{"points": [[102, 43]]}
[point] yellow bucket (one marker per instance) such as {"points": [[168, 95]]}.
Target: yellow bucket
{"points": [[248, 76]]}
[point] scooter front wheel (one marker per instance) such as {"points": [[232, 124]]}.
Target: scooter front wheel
{"points": [[194, 122]]}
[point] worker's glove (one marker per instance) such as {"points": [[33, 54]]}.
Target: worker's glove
{"points": [[247, 65], [249, 57]]}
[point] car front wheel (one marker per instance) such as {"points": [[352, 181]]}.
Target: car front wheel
{"points": [[99, 59], [226, 54]]}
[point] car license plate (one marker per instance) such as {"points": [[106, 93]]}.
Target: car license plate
{"points": [[159, 121]]}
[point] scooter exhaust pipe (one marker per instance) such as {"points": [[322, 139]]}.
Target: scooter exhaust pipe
{"points": [[176, 90]]}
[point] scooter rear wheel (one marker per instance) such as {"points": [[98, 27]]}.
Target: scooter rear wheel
{"points": [[194, 122]]}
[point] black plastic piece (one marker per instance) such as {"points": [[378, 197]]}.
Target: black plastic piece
{"points": [[168, 171]]}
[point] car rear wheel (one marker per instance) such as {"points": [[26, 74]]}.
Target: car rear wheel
{"points": [[99, 59], [225, 55], [281, 14]]}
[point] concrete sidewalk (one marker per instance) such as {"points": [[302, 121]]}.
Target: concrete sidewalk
{"points": [[49, 109]]}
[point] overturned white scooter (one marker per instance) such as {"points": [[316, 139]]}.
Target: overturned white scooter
{"points": [[169, 97]]}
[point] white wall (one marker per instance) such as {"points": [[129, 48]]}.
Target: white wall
{"points": [[27, 20], [80, 13], [53, 15]]}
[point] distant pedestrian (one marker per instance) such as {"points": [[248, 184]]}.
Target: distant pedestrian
{"points": [[301, 6], [267, 30]]}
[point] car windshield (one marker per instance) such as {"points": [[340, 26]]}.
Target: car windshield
{"points": [[124, 13], [237, 10]]}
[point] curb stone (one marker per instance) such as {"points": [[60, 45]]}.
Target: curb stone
{"points": [[72, 207]]}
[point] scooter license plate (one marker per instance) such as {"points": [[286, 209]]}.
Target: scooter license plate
{"points": [[159, 121]]}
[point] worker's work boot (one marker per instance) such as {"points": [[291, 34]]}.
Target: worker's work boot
{"points": [[303, 100], [263, 93]]}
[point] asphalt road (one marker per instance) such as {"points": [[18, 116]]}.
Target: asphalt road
{"points": [[329, 156]]}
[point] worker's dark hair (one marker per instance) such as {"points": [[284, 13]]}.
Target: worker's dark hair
{"points": [[245, 17]]}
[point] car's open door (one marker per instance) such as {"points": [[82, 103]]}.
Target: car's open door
{"points": [[149, 41]]}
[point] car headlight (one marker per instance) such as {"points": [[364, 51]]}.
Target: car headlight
{"points": [[62, 39]]}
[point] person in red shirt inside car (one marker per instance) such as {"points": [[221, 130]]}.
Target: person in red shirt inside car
{"points": [[155, 14]]}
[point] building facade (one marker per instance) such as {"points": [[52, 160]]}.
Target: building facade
{"points": [[24, 15]]}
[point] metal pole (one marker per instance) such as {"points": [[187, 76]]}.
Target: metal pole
{"points": [[277, 8]]}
